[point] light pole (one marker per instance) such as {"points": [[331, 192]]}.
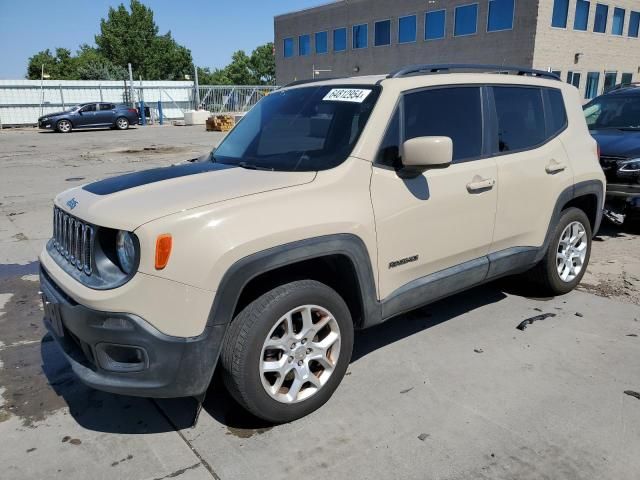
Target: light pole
{"points": [[318, 71], [42, 77]]}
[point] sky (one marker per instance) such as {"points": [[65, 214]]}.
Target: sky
{"points": [[211, 29]]}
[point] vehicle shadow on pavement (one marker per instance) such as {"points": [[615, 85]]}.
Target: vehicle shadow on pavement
{"points": [[105, 412], [405, 325], [101, 411]]}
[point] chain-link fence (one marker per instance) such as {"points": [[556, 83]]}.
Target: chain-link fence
{"points": [[23, 101], [225, 99]]}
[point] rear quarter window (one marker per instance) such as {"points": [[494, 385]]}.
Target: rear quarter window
{"points": [[557, 113]]}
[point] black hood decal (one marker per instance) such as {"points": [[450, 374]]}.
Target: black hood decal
{"points": [[132, 180]]}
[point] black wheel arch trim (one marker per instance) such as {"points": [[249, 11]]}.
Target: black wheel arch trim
{"points": [[254, 265]]}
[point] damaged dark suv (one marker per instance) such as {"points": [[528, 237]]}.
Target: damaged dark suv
{"points": [[614, 121]]}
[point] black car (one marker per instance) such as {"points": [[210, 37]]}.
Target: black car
{"points": [[614, 121], [90, 115]]}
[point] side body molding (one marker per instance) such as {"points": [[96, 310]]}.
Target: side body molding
{"points": [[417, 293]]}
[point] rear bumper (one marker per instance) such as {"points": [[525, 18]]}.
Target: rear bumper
{"points": [[122, 353]]}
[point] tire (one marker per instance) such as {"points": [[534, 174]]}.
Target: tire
{"points": [[560, 258], [122, 123], [275, 396], [64, 126]]}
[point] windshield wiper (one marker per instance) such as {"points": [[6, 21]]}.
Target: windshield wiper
{"points": [[251, 166]]}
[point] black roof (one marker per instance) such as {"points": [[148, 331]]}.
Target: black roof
{"points": [[631, 89]]}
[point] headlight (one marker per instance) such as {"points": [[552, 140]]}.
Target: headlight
{"points": [[126, 249], [629, 166]]}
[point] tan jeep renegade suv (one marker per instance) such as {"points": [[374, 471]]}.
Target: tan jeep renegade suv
{"points": [[332, 206]]}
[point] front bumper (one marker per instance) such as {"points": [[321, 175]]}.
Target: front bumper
{"points": [[624, 197], [46, 124], [122, 353]]}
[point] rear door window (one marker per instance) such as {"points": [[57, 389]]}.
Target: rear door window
{"points": [[107, 106], [520, 117], [454, 112]]}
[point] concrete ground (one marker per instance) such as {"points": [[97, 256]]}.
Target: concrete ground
{"points": [[451, 391]]}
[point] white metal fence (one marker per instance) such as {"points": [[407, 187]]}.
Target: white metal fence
{"points": [[23, 101]]}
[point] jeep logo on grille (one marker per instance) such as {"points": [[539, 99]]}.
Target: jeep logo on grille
{"points": [[73, 203]]}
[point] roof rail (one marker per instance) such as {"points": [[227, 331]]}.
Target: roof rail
{"points": [[309, 80], [448, 67]]}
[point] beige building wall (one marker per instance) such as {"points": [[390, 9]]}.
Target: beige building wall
{"points": [[557, 48]]}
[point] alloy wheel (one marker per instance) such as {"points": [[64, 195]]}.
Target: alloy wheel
{"points": [[122, 123], [300, 354], [572, 251], [64, 126]]}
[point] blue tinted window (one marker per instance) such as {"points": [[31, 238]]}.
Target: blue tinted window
{"points": [[627, 78], [574, 79], [288, 47], [618, 21], [322, 42], [609, 81], [434, 25], [634, 24], [593, 79], [361, 36], [466, 22], [304, 45], [382, 33], [407, 29], [500, 15], [602, 12], [339, 39], [582, 15], [560, 12]]}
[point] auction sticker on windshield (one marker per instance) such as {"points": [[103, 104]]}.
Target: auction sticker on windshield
{"points": [[354, 95]]}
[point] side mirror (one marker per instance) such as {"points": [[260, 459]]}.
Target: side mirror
{"points": [[421, 153]]}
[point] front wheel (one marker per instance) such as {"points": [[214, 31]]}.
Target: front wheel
{"points": [[64, 126], [568, 253], [286, 352], [122, 123]]}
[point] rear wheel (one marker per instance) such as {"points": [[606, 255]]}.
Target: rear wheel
{"points": [[286, 353], [568, 253], [122, 123], [64, 126]]}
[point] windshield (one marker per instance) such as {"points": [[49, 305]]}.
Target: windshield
{"points": [[302, 129], [615, 112]]}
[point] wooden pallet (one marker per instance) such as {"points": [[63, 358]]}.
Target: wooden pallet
{"points": [[220, 123]]}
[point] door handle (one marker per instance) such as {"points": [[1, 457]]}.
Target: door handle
{"points": [[555, 167], [479, 183]]}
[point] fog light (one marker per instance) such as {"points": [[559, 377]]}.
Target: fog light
{"points": [[121, 358]]}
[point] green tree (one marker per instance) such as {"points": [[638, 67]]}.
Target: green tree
{"points": [[239, 71], [263, 64], [132, 37], [257, 69], [91, 65]]}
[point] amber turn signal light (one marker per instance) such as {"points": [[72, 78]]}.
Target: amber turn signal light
{"points": [[164, 243]]}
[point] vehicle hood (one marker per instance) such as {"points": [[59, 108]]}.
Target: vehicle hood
{"points": [[129, 201], [618, 143], [55, 114]]}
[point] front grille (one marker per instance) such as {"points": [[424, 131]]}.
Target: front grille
{"points": [[73, 239]]}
